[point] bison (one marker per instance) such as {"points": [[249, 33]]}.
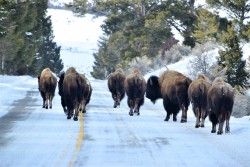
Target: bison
{"points": [[87, 92], [220, 104], [73, 92], [47, 83], [60, 91], [197, 93], [135, 87], [116, 86], [172, 86]]}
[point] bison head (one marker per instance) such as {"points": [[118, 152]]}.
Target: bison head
{"points": [[153, 91]]}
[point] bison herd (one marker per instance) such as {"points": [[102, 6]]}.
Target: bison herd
{"points": [[214, 100]]}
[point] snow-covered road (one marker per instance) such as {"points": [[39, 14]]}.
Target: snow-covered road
{"points": [[105, 136]]}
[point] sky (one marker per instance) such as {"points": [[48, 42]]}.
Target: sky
{"points": [[78, 38]]}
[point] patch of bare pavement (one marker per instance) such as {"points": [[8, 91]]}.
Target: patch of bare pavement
{"points": [[19, 111]]}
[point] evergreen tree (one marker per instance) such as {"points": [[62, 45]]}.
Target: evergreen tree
{"points": [[206, 27], [231, 59], [182, 16], [79, 7], [7, 27], [26, 38], [237, 10], [48, 54], [23, 15], [134, 28], [99, 68]]}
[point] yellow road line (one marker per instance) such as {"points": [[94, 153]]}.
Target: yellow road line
{"points": [[79, 141]]}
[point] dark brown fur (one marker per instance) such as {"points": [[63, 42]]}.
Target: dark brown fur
{"points": [[172, 86], [60, 91], [220, 103], [47, 83], [87, 91], [135, 87], [197, 93], [73, 92], [116, 86]]}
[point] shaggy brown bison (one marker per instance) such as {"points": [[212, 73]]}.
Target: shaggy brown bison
{"points": [[73, 92], [172, 86], [197, 93], [220, 104], [87, 92], [135, 87], [47, 85], [116, 86]]}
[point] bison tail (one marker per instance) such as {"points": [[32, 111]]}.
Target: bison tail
{"points": [[202, 94], [117, 83], [52, 85]]}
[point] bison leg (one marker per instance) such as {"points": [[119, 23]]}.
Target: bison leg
{"points": [[46, 103], [203, 116], [50, 102], [184, 114], [213, 128], [84, 106], [227, 128], [69, 114], [198, 115], [115, 104], [131, 106], [137, 101], [77, 108], [167, 117], [115, 100], [220, 129], [174, 117], [43, 103], [131, 111], [43, 96], [75, 118], [47, 100]]}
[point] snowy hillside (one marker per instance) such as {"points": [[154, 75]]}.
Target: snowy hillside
{"points": [[78, 38]]}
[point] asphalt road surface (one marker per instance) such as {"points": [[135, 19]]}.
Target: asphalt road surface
{"points": [[107, 136]]}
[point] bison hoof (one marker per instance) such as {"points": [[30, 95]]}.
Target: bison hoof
{"points": [[202, 126], [166, 119], [174, 119], [131, 113], [50, 107], [68, 117], [213, 131], [138, 113], [219, 132], [197, 126], [183, 121], [75, 119]]}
